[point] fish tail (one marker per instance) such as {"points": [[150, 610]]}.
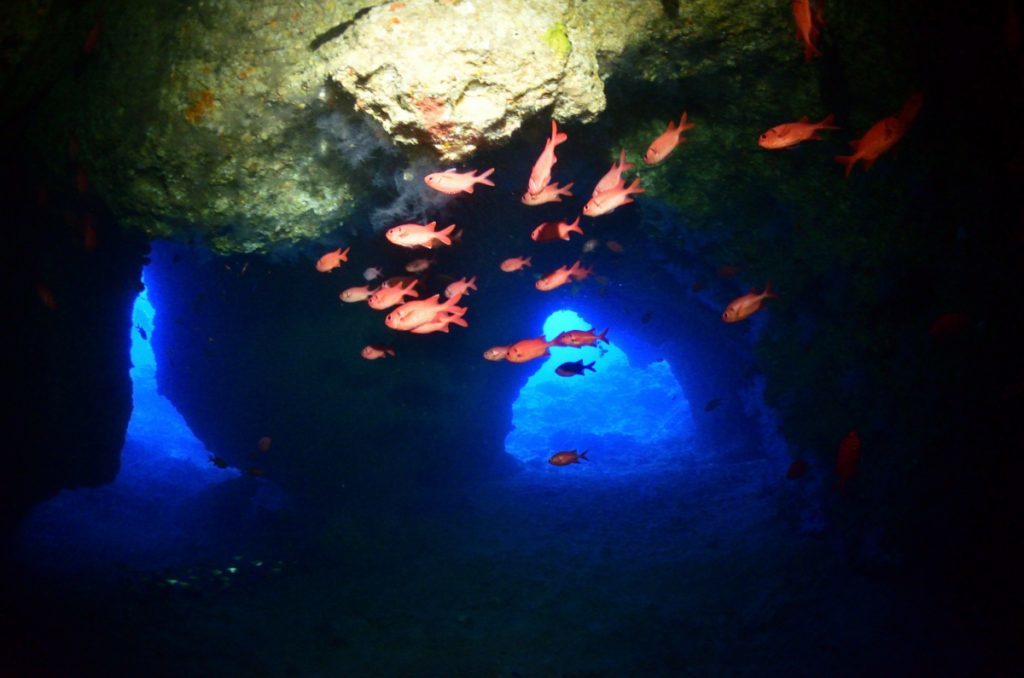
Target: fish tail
{"points": [[604, 336], [583, 455], [343, 255], [634, 187], [847, 161], [528, 261], [768, 293], [684, 124], [409, 290], [574, 227], [457, 320], [482, 179], [443, 235], [826, 122], [623, 165], [564, 190], [556, 136], [471, 284], [590, 366]]}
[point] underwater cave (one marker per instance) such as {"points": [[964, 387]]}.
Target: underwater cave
{"points": [[304, 301]]}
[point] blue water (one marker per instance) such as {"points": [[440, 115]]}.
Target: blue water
{"points": [[626, 416]]}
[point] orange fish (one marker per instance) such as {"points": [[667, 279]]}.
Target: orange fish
{"points": [[386, 296], [790, 134], [452, 182], [515, 264], [412, 314], [558, 277], [440, 324], [461, 286], [607, 202], [332, 260], [527, 349], [567, 457], [540, 175], [264, 444], [582, 273], [418, 265], [798, 469], [417, 235], [613, 176], [882, 136], [555, 230], [743, 307], [46, 296], [550, 193], [375, 351], [579, 338], [356, 294], [661, 147], [808, 26], [496, 353], [92, 38], [846, 458], [81, 182]]}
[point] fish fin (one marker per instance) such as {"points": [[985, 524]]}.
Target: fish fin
{"points": [[583, 455], [868, 162], [457, 320], [469, 189], [804, 118], [556, 136], [564, 190], [590, 366], [768, 293], [828, 122], [482, 179], [847, 161], [471, 284], [443, 235], [604, 336]]}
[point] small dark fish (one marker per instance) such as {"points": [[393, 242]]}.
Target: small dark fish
{"points": [[646, 318], [572, 369], [798, 469], [712, 404], [142, 332], [219, 462]]}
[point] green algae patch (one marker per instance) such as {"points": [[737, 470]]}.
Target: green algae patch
{"points": [[557, 38]]}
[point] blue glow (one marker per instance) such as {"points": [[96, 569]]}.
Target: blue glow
{"points": [[627, 417], [152, 512]]}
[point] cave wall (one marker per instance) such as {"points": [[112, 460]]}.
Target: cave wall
{"points": [[73, 278]]}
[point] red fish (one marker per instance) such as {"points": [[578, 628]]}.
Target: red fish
{"points": [[387, 296], [418, 235], [412, 314], [354, 295], [808, 26], [92, 38], [527, 349], [847, 458], [743, 307], [461, 286], [496, 353], [798, 469], [661, 147], [567, 457], [550, 193], [607, 202], [263, 445], [540, 175], [882, 136], [613, 176], [440, 324], [332, 260], [514, 264], [558, 277], [375, 352], [580, 338], [790, 134], [615, 246], [555, 230], [452, 182], [418, 265]]}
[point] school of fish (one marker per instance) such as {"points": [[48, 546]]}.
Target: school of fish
{"points": [[432, 314]]}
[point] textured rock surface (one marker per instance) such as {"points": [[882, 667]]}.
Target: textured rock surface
{"points": [[456, 74]]}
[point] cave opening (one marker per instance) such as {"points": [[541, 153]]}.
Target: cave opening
{"points": [[153, 511], [629, 417]]}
